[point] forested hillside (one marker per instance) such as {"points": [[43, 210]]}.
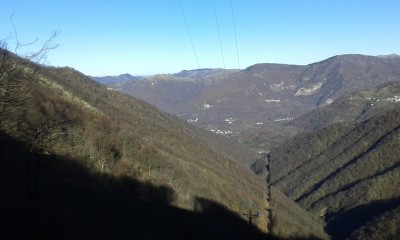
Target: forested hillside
{"points": [[346, 172], [79, 161], [71, 149], [355, 107]]}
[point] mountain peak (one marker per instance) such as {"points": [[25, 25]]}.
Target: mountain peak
{"points": [[126, 77], [389, 56]]}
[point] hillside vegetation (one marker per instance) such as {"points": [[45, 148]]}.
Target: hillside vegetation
{"points": [[290, 220], [69, 146], [384, 226], [79, 161], [346, 172], [355, 107]]}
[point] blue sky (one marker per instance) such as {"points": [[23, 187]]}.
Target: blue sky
{"points": [[142, 37]]}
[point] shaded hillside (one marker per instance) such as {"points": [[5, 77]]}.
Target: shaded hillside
{"points": [[343, 167], [255, 103], [384, 226], [67, 200], [378, 218]]}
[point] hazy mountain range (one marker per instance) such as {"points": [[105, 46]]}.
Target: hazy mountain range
{"points": [[253, 104], [117, 79]]}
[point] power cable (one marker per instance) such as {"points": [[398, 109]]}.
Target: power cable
{"points": [[219, 35], [190, 36], [234, 29]]}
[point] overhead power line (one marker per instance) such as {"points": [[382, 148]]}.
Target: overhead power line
{"points": [[234, 29], [190, 36], [219, 35]]}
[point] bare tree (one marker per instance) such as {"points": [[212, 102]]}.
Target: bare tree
{"points": [[14, 73]]}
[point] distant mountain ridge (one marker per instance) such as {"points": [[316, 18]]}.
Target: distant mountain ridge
{"points": [[206, 74], [389, 56], [196, 73], [262, 97], [116, 79]]}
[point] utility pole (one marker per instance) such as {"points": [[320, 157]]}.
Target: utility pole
{"points": [[250, 215]]}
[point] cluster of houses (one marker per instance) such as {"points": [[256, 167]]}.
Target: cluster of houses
{"points": [[283, 119], [272, 100], [229, 120], [193, 120], [394, 99], [226, 132]]}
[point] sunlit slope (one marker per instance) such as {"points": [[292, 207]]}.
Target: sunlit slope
{"points": [[355, 107]]}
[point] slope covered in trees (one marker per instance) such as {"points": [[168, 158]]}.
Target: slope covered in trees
{"points": [[80, 161], [65, 116], [355, 107], [346, 172]]}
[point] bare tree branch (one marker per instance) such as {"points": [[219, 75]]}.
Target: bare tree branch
{"points": [[37, 56], [15, 76], [40, 56]]}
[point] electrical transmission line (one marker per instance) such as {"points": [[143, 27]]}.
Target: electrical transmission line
{"points": [[219, 35], [190, 36], [234, 28]]}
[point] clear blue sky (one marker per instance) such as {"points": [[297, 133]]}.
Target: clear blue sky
{"points": [[109, 37]]}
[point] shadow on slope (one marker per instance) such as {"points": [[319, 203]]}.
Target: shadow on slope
{"points": [[53, 197], [342, 225]]}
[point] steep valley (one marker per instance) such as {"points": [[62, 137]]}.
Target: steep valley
{"points": [[331, 129], [346, 172], [80, 161]]}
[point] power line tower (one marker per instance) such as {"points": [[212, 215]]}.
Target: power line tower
{"points": [[250, 214]]}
